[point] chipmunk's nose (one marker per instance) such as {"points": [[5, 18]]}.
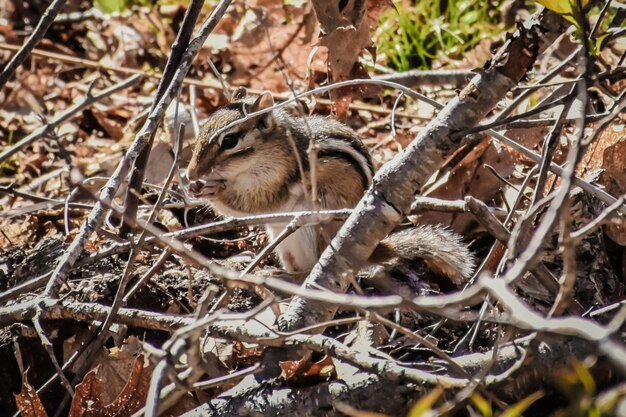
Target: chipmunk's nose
{"points": [[190, 177], [195, 187]]}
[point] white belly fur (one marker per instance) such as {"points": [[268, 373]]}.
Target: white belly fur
{"points": [[299, 251]]}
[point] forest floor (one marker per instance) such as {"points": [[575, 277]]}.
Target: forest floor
{"points": [[65, 139]]}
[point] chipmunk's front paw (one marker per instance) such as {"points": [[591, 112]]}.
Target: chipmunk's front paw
{"points": [[293, 277], [207, 187]]}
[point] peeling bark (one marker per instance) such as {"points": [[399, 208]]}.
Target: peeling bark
{"points": [[389, 199], [373, 393]]}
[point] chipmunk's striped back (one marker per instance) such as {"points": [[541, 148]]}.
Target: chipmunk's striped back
{"points": [[251, 165], [257, 166]]}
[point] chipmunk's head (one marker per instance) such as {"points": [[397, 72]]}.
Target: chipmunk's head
{"points": [[228, 143]]}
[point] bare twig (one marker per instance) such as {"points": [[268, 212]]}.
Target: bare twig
{"points": [[87, 101], [547, 151], [598, 221], [119, 299], [141, 139], [42, 27], [547, 77], [187, 81], [312, 218], [216, 382], [429, 77], [380, 210], [174, 61], [568, 277]]}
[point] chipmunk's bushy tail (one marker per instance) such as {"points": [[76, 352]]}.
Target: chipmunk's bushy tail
{"points": [[437, 248]]}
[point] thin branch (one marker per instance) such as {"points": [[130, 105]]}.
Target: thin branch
{"points": [[429, 77], [313, 218], [86, 63], [42, 27], [141, 139], [388, 200], [87, 101], [173, 62]]}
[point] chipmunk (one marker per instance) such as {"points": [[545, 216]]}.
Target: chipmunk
{"points": [[262, 165]]}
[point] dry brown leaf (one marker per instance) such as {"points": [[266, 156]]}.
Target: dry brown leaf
{"points": [[472, 176], [28, 402], [530, 138], [116, 365], [20, 232], [115, 372], [253, 62], [75, 343], [7, 34], [599, 154], [88, 397], [246, 354], [608, 153], [345, 33], [324, 368], [342, 97], [109, 120], [250, 31], [374, 10], [292, 368], [614, 175], [134, 393]]}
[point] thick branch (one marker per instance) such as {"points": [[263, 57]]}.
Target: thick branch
{"points": [[370, 391], [389, 199]]}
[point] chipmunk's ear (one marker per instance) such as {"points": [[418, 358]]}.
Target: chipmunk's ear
{"points": [[299, 108], [264, 101], [239, 94]]}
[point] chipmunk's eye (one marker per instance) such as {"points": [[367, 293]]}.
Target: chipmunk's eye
{"points": [[229, 141], [263, 123]]}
